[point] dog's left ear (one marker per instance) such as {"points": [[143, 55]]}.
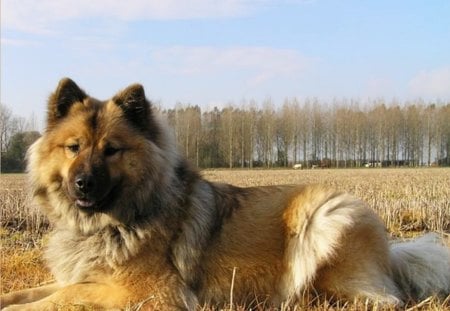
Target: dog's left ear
{"points": [[66, 94], [134, 105]]}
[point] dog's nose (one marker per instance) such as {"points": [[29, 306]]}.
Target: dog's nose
{"points": [[85, 183]]}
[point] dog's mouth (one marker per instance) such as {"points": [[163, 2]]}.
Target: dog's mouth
{"points": [[85, 203], [95, 201], [93, 204]]}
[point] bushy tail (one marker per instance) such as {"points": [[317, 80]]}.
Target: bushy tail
{"points": [[421, 267], [317, 220]]}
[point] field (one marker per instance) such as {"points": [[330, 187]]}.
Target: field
{"points": [[411, 202]]}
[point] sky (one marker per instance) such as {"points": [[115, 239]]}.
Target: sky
{"points": [[216, 52]]}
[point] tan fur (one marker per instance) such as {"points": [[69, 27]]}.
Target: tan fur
{"points": [[135, 225]]}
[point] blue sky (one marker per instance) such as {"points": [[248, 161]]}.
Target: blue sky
{"points": [[216, 52]]}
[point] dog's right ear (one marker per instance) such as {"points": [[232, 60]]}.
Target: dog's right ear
{"points": [[135, 106], [66, 94]]}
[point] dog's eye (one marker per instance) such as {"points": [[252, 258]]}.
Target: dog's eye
{"points": [[110, 151], [75, 148]]}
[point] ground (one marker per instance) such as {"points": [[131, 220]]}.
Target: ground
{"points": [[410, 201]]}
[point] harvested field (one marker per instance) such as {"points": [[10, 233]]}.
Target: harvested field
{"points": [[411, 202]]}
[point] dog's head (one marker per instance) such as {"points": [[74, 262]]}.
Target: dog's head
{"points": [[95, 156]]}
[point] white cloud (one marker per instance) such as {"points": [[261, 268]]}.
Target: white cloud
{"points": [[41, 16], [431, 84], [379, 86], [252, 65], [18, 42]]}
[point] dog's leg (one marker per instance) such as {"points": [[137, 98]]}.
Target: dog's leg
{"points": [[94, 295], [28, 295]]}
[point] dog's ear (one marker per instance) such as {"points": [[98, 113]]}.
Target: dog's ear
{"points": [[135, 106], [66, 94]]}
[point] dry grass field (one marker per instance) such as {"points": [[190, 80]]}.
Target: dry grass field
{"points": [[411, 202]]}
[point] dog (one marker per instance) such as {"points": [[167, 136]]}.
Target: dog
{"points": [[136, 225]]}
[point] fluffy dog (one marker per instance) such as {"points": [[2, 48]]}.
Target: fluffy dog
{"points": [[135, 224]]}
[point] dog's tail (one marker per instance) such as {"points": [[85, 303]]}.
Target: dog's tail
{"points": [[421, 267], [316, 220]]}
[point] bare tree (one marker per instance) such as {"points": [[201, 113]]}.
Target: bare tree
{"points": [[5, 127], [228, 134], [266, 133], [430, 123], [286, 124], [443, 136], [9, 125]]}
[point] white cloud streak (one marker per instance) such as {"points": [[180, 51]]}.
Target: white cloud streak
{"points": [[41, 16], [18, 42], [254, 65], [431, 84]]}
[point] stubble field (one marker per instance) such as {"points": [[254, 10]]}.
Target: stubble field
{"points": [[410, 201]]}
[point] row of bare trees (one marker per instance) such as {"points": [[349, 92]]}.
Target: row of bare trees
{"points": [[310, 133], [340, 134]]}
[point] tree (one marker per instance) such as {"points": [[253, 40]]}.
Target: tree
{"points": [[430, 130], [249, 132], [443, 136], [395, 120], [285, 132], [245, 131], [186, 122], [266, 133], [305, 129], [228, 135], [9, 125], [413, 135], [210, 140], [13, 160], [317, 131]]}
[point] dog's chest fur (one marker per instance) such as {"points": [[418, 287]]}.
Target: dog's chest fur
{"points": [[75, 258]]}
